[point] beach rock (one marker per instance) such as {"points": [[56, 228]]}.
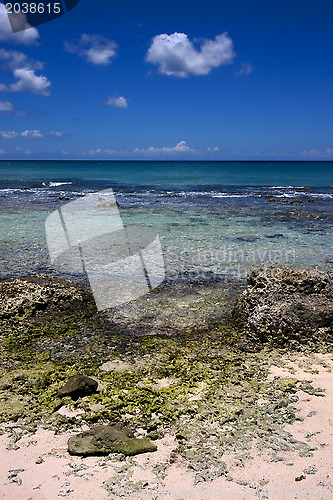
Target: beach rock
{"points": [[282, 304], [105, 439], [33, 297], [78, 386]]}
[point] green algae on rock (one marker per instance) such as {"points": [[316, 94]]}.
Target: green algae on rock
{"points": [[33, 310], [203, 385], [105, 439], [30, 297], [37, 306]]}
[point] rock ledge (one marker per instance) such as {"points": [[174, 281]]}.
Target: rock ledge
{"points": [[282, 304]]}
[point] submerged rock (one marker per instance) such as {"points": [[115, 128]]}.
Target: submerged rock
{"points": [[282, 304], [105, 439], [78, 386]]}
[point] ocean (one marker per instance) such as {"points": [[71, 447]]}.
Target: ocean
{"points": [[215, 220]]}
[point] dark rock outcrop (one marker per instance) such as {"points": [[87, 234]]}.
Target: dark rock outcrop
{"points": [[78, 386], [282, 304], [105, 439], [31, 297], [36, 306]]}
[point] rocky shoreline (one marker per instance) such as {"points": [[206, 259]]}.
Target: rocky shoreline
{"points": [[200, 384]]}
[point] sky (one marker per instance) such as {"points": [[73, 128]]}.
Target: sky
{"points": [[176, 80]]}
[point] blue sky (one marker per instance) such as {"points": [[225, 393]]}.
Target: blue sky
{"points": [[219, 80]]}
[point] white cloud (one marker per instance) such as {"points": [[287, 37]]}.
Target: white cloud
{"points": [[118, 102], [27, 37], [246, 69], [24, 70], [100, 152], [28, 82], [2, 152], [318, 153], [27, 152], [55, 133], [176, 55], [14, 59], [32, 133], [8, 135], [95, 49], [6, 107], [180, 150], [93, 152], [181, 147]]}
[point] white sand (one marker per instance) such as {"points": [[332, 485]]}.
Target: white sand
{"points": [[59, 474]]}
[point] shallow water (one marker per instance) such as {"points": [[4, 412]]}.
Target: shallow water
{"points": [[215, 220]]}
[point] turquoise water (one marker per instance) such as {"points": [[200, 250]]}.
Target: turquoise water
{"points": [[216, 220], [167, 175]]}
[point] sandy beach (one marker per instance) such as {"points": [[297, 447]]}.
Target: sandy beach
{"points": [[166, 257], [38, 466]]}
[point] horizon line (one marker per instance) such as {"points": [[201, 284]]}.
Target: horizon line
{"points": [[162, 160]]}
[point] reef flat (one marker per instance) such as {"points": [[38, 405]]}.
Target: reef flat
{"points": [[208, 385]]}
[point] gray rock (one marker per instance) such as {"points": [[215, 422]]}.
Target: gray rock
{"points": [[34, 298], [282, 305], [78, 386], [310, 470], [65, 492], [105, 439]]}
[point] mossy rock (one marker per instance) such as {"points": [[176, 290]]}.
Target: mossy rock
{"points": [[35, 297], [78, 386], [105, 439], [41, 306]]}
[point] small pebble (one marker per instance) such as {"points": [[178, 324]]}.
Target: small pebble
{"points": [[310, 470], [12, 447], [276, 458], [17, 480], [14, 472], [241, 482], [64, 493]]}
